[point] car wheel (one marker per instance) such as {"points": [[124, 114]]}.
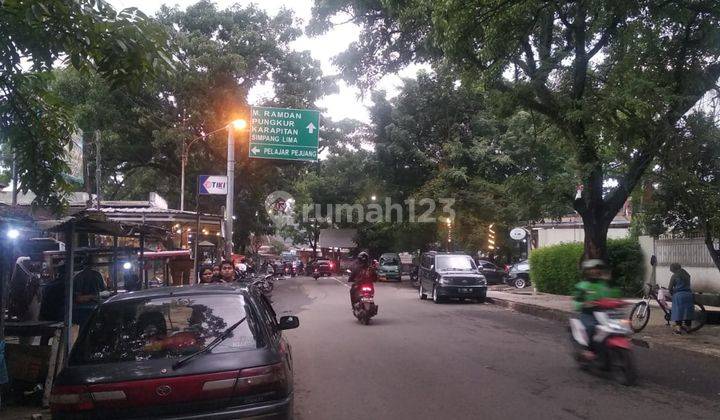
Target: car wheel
{"points": [[436, 298], [421, 292], [520, 283]]}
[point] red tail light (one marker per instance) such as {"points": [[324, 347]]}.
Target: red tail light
{"points": [[263, 379], [367, 289]]}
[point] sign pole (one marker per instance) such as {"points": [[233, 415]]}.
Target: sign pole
{"points": [[197, 235], [229, 204]]}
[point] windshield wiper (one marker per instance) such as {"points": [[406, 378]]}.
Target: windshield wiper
{"points": [[219, 339]]}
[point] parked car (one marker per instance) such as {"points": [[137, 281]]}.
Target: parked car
{"points": [[346, 263], [206, 351], [389, 267], [325, 267], [493, 274], [450, 275], [519, 274]]}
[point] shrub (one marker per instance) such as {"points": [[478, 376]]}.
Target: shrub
{"points": [[554, 269]]}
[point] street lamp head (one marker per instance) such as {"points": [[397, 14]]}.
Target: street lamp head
{"points": [[239, 124], [13, 233]]}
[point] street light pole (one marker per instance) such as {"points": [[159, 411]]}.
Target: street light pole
{"points": [[229, 199], [183, 162]]}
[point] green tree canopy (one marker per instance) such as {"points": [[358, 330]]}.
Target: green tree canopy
{"points": [[122, 47], [615, 79]]}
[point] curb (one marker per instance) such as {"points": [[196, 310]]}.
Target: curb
{"points": [[558, 315]]}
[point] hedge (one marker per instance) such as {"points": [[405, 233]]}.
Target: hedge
{"points": [[554, 269]]}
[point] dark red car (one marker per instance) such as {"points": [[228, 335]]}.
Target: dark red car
{"points": [[208, 351]]}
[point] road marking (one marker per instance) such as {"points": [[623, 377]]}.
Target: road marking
{"points": [[344, 284]]}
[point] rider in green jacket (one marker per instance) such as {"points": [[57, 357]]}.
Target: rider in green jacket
{"points": [[594, 287]]}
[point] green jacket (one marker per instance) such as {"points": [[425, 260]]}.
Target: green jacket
{"points": [[588, 291]]}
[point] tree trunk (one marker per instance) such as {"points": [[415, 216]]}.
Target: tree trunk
{"points": [[595, 238], [595, 215], [714, 254]]}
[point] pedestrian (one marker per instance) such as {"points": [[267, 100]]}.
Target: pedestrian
{"points": [[682, 299], [227, 272], [206, 275], [216, 271]]}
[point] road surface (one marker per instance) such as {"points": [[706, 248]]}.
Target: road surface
{"points": [[421, 360]]}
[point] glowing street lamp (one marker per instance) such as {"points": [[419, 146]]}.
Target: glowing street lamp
{"points": [[12, 234], [239, 124]]}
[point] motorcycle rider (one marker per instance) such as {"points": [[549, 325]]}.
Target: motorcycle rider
{"points": [[595, 286], [362, 273]]}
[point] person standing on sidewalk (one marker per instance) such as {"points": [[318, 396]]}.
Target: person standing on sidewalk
{"points": [[682, 299]]}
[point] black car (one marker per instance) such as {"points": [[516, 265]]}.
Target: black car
{"points": [[450, 275], [519, 275], [493, 274], [207, 351], [324, 267]]}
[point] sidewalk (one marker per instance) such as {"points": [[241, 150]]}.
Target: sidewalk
{"points": [[657, 333]]}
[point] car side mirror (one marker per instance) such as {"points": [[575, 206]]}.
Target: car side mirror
{"points": [[288, 322]]}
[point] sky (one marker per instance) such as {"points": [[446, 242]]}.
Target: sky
{"points": [[348, 102]]}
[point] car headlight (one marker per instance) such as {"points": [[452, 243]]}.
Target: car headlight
{"points": [[442, 280], [482, 281]]}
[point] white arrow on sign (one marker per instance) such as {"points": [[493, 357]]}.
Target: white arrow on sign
{"points": [[255, 150], [311, 128]]}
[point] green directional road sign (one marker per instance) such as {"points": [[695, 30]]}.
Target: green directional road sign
{"points": [[280, 133]]}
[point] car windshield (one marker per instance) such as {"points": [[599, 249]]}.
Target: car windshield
{"points": [[390, 261], [167, 327], [454, 263]]}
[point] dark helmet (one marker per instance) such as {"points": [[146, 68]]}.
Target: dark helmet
{"points": [[363, 257]]}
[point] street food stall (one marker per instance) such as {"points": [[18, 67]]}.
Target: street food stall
{"points": [[43, 300]]}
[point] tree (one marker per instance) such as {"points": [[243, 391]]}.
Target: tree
{"points": [[222, 54], [687, 194], [122, 47], [615, 79], [439, 139]]}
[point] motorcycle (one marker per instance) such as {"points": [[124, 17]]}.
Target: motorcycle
{"points": [[316, 274], [414, 279], [265, 284], [611, 349], [365, 307]]}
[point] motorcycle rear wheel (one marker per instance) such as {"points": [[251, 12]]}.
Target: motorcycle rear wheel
{"points": [[622, 365]]}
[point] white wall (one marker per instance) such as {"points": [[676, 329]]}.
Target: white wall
{"points": [[548, 237], [704, 278]]}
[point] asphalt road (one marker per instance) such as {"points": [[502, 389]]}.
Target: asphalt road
{"points": [[420, 360]]}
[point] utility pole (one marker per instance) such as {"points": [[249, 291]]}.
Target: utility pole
{"points": [[229, 202], [97, 166], [14, 180], [183, 162]]}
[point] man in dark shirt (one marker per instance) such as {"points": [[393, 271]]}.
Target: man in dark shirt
{"points": [[87, 285], [52, 307]]}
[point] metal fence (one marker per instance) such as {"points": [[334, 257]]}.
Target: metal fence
{"points": [[686, 251]]}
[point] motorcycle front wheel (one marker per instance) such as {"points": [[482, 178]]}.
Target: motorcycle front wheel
{"points": [[639, 316], [622, 365]]}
